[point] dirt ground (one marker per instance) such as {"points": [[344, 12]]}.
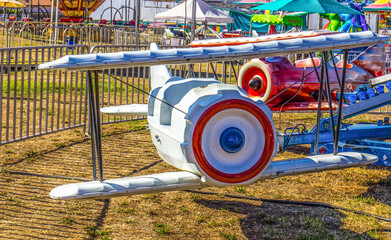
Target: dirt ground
{"points": [[31, 168]]}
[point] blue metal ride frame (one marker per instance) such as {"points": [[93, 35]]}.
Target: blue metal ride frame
{"points": [[353, 138]]}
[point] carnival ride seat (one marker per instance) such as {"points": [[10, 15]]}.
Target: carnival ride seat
{"points": [[304, 63], [341, 63]]}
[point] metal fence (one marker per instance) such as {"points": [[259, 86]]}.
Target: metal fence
{"points": [[37, 102], [27, 34]]}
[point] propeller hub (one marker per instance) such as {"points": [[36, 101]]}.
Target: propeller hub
{"points": [[232, 140], [255, 83]]}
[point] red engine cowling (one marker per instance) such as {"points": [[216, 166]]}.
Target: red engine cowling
{"points": [[263, 79]]}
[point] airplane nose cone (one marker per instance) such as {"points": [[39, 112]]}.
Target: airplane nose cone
{"points": [[232, 140], [255, 83]]}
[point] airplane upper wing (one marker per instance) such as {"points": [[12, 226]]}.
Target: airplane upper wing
{"points": [[321, 42]]}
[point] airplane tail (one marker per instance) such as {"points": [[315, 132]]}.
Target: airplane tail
{"points": [[159, 74], [373, 60]]}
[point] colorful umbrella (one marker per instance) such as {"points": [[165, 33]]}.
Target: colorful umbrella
{"points": [[11, 4], [380, 5], [309, 6]]}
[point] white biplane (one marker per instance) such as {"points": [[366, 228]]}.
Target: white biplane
{"points": [[211, 131]]}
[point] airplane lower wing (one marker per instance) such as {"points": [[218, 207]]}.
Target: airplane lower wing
{"points": [[169, 181], [126, 110], [174, 181]]}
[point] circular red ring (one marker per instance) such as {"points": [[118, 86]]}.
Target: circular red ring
{"points": [[248, 75], [262, 161]]}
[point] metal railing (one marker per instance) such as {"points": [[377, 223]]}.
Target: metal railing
{"points": [[27, 34], [37, 102]]}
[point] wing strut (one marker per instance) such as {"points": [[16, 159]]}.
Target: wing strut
{"points": [[341, 97], [324, 76], [94, 123]]}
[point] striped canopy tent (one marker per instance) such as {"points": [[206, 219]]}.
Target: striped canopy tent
{"points": [[253, 2], [378, 6], [204, 13]]}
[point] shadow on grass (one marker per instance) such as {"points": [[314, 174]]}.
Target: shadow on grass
{"points": [[300, 150], [381, 190], [280, 221], [94, 232]]}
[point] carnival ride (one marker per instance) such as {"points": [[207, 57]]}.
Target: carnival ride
{"points": [[77, 10], [293, 87], [213, 131], [347, 22]]}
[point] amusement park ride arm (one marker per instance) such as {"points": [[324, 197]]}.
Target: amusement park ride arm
{"points": [[199, 104]]}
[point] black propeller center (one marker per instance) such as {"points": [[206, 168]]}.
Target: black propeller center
{"points": [[255, 83]]}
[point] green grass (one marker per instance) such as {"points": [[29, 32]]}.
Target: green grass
{"points": [[124, 210], [31, 156], [263, 218], [128, 221], [41, 86], [67, 220], [3, 171], [240, 188], [375, 234], [365, 199], [163, 228], [228, 236], [94, 231]]}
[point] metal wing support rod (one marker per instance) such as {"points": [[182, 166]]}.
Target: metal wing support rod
{"points": [[341, 97], [328, 92], [335, 129], [94, 121]]}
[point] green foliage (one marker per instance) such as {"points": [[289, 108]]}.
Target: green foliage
{"points": [[94, 231], [201, 218], [320, 235], [31, 156], [128, 221], [59, 144], [374, 234], [365, 199], [228, 236], [124, 208], [240, 189], [67, 220], [163, 228], [265, 219], [4, 171]]}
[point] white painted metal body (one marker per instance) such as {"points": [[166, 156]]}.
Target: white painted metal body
{"points": [[172, 130], [126, 110]]}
